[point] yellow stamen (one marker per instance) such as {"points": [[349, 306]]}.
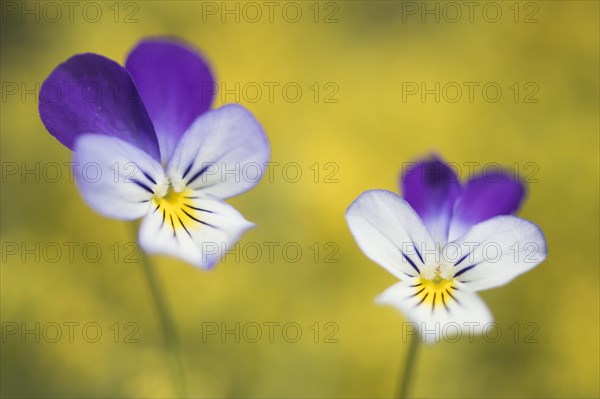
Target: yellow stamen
{"points": [[437, 292], [178, 211]]}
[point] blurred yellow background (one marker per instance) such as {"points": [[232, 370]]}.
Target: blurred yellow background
{"points": [[355, 124]]}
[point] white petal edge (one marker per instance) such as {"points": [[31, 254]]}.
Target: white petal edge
{"points": [[467, 315], [385, 226], [224, 153], [501, 248], [204, 246], [106, 170]]}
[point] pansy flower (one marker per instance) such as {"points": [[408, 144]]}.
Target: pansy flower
{"points": [[147, 145], [445, 241]]}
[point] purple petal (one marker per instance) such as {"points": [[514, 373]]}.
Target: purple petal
{"points": [[176, 85], [89, 93], [484, 197], [431, 188]]}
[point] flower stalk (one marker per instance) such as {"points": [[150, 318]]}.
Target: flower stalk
{"points": [[169, 332], [406, 374]]}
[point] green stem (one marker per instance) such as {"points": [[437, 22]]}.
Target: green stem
{"points": [[168, 327], [409, 366]]}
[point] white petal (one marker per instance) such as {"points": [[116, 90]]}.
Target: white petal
{"points": [[441, 317], [390, 232], [497, 250], [223, 153], [115, 178], [202, 242]]}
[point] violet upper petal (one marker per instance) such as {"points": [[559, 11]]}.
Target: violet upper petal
{"points": [[484, 197], [431, 187], [90, 93], [176, 85]]}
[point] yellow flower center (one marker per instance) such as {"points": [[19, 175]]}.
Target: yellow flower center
{"points": [[438, 290], [173, 197], [178, 210]]}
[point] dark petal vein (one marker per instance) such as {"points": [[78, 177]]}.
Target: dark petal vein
{"points": [[142, 185], [411, 262], [466, 269]]}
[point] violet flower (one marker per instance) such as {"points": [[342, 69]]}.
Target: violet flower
{"points": [[445, 241], [146, 145]]}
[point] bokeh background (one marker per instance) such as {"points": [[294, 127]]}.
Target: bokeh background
{"points": [[359, 58]]}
